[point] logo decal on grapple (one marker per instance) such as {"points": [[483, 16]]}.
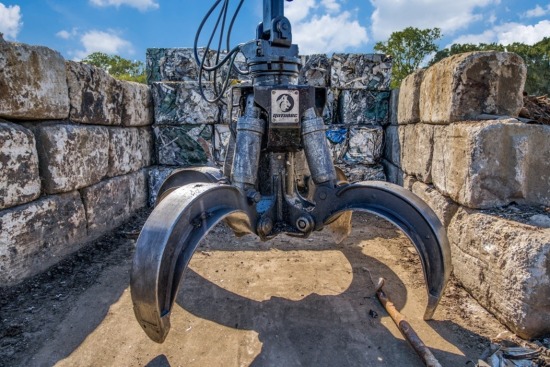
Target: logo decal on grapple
{"points": [[286, 102], [285, 106]]}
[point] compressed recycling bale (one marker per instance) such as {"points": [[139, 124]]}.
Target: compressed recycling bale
{"points": [[504, 265], [443, 207], [129, 150], [364, 145], [171, 64], [179, 103], [331, 105], [95, 96], [361, 172], [222, 135], [315, 70], [492, 163], [464, 86], [393, 173], [156, 176], [37, 235], [417, 144], [19, 177], [337, 136], [408, 111], [137, 104], [33, 85], [71, 156], [111, 202], [394, 106], [363, 107], [361, 71], [392, 146], [187, 145]]}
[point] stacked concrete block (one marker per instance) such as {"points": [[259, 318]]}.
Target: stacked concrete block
{"points": [[469, 170], [73, 146]]}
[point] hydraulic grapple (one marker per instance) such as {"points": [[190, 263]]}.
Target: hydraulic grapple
{"points": [[278, 177]]}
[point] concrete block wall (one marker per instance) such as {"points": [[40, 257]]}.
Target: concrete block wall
{"points": [[74, 147], [454, 140]]}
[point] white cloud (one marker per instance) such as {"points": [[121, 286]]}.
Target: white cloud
{"points": [[321, 27], [141, 5], [64, 34], [394, 15], [537, 11], [100, 41], [10, 21], [508, 33]]}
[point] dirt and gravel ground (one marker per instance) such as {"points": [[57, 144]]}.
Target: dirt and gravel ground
{"points": [[287, 302]]}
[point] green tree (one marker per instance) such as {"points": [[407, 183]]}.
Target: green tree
{"points": [[408, 48], [117, 66], [536, 57]]}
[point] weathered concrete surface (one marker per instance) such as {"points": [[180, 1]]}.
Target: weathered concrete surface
{"points": [[19, 178], [129, 150], [178, 103], [363, 107], [137, 104], [184, 145], [71, 156], [110, 202], [361, 71], [33, 83], [443, 207], [315, 70], [492, 163], [35, 236], [463, 86], [504, 265], [408, 111], [155, 177], [96, 97], [417, 144], [364, 145], [392, 146]]}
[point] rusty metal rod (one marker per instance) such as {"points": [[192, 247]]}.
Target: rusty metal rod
{"points": [[406, 329]]}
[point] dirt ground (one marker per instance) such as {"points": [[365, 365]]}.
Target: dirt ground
{"points": [[287, 302]]}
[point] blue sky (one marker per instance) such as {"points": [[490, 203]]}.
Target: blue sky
{"points": [[128, 27]]}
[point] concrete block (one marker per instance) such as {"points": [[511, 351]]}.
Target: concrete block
{"points": [[409, 98], [315, 70], [363, 107], [137, 104], [464, 86], [156, 176], [394, 106], [33, 85], [504, 265], [111, 202], [443, 207], [95, 96], [186, 145], [364, 145], [71, 156], [492, 163], [361, 71], [129, 149], [19, 177], [37, 235], [179, 103], [417, 144], [392, 146], [393, 173]]}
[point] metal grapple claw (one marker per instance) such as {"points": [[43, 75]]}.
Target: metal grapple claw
{"points": [[184, 176], [167, 242]]}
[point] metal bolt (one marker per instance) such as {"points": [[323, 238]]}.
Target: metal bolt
{"points": [[265, 225], [305, 223]]}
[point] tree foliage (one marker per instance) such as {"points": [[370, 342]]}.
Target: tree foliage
{"points": [[408, 48], [117, 66], [536, 57]]}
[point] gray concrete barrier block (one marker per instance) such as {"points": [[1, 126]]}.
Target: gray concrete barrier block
{"points": [[315, 70], [37, 235], [71, 156], [364, 145], [137, 104], [392, 146], [111, 202], [96, 97], [408, 111], [180, 103], [492, 163], [464, 86], [187, 145], [129, 149], [443, 206], [504, 265], [19, 177], [361, 71], [363, 107], [417, 145], [156, 176], [33, 85]]}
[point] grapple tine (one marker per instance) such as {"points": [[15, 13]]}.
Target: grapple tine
{"points": [[168, 240], [414, 217], [184, 176]]}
